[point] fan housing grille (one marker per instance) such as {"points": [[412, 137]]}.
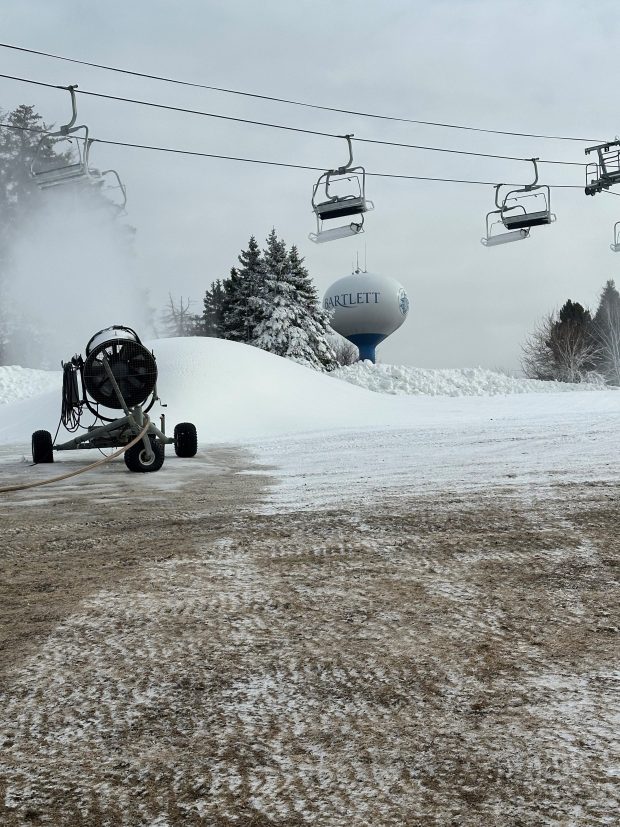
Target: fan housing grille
{"points": [[133, 368]]}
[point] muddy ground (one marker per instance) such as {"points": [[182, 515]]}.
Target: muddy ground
{"points": [[186, 657]]}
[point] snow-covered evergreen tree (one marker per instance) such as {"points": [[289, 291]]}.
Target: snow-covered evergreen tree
{"points": [[606, 333], [241, 304], [211, 319], [317, 325], [292, 323]]}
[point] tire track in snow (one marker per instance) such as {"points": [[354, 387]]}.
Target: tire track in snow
{"points": [[433, 662]]}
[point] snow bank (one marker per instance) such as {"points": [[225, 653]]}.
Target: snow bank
{"points": [[237, 394], [24, 383], [407, 380], [231, 391]]}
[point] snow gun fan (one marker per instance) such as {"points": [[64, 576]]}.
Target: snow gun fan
{"points": [[117, 357], [118, 374]]}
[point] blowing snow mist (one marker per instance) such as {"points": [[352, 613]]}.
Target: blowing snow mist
{"points": [[71, 272]]}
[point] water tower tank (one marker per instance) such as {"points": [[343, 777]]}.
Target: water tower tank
{"points": [[365, 308]]}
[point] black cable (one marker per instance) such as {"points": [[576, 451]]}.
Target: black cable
{"points": [[295, 102], [72, 402], [194, 153], [466, 152], [284, 127]]}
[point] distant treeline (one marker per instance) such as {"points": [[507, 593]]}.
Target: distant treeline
{"points": [[572, 345]]}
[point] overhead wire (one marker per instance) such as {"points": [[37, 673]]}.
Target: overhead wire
{"points": [[292, 102], [196, 153], [285, 127]]}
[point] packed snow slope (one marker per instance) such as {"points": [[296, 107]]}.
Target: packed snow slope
{"points": [[236, 393]]}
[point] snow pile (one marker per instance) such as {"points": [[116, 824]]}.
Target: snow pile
{"points": [[23, 383], [232, 392], [407, 380], [235, 393]]}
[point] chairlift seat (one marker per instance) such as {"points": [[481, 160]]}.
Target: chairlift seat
{"points": [[525, 220], [505, 238], [341, 207], [335, 233], [58, 175]]}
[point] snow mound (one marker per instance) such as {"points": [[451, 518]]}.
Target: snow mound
{"points": [[235, 393], [231, 391], [403, 380], [23, 383]]}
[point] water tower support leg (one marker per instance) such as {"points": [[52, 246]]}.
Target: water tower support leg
{"points": [[367, 352]]}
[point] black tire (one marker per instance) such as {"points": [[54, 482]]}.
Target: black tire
{"points": [[185, 439], [42, 450], [135, 458]]}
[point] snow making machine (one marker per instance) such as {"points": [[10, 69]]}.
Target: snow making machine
{"points": [[118, 374]]}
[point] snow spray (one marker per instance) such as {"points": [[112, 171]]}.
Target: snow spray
{"points": [[71, 271]]}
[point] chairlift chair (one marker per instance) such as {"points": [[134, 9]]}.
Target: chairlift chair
{"points": [[604, 173], [343, 191], [518, 211], [493, 238], [524, 213], [615, 246], [51, 172]]}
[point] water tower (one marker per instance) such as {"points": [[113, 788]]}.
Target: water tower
{"points": [[366, 308]]}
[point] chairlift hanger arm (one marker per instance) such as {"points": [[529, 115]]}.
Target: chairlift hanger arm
{"points": [[64, 130], [534, 183], [121, 186], [348, 166]]}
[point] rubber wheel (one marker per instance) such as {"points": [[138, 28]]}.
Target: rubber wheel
{"points": [[135, 457], [42, 450], [185, 439]]}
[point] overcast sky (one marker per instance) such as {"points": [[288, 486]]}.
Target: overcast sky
{"points": [[545, 67]]}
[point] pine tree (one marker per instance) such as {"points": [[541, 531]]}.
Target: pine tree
{"points": [[241, 303], [317, 326], [211, 319], [606, 334], [292, 324]]}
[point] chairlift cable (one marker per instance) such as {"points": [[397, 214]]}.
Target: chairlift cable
{"points": [[195, 153], [284, 127], [292, 102]]}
